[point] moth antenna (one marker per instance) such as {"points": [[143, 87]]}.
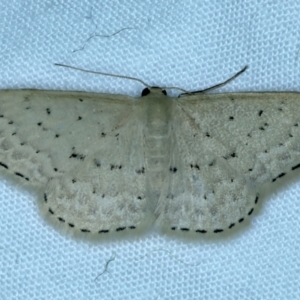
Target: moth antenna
{"points": [[104, 74], [219, 84], [120, 76]]}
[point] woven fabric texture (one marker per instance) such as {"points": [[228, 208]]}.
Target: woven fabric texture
{"points": [[189, 44]]}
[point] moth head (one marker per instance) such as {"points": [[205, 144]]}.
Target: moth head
{"points": [[154, 89]]}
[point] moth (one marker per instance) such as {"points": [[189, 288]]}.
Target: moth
{"points": [[109, 163]]}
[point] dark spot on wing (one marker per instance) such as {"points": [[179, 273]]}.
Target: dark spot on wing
{"points": [[77, 156], [279, 176], [120, 228], [140, 171], [295, 167], [173, 169], [115, 167], [21, 175], [3, 165], [195, 166]]}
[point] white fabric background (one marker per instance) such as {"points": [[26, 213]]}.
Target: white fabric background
{"points": [[190, 44]]}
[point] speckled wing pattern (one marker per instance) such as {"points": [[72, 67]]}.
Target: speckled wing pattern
{"points": [[228, 146], [112, 163], [73, 145]]}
